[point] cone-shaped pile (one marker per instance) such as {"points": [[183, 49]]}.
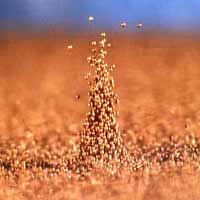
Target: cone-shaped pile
{"points": [[100, 139]]}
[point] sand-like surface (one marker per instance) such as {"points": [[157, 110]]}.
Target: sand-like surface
{"points": [[157, 80]]}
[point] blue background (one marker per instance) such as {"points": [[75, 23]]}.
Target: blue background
{"points": [[73, 14]]}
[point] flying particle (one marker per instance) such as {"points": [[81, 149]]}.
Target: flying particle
{"points": [[186, 126], [94, 43], [69, 47], [87, 75], [112, 67], [78, 96], [139, 25], [91, 18], [94, 50], [102, 43], [123, 24], [103, 34]]}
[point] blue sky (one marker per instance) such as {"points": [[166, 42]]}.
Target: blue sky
{"points": [[73, 14]]}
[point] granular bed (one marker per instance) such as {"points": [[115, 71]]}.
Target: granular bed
{"points": [[100, 146]]}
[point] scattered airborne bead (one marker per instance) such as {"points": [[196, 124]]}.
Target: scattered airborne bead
{"points": [[94, 43], [77, 96], [91, 18], [123, 24], [103, 34], [140, 25], [69, 47]]}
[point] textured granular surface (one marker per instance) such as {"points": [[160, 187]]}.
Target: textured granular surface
{"points": [[45, 152]]}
